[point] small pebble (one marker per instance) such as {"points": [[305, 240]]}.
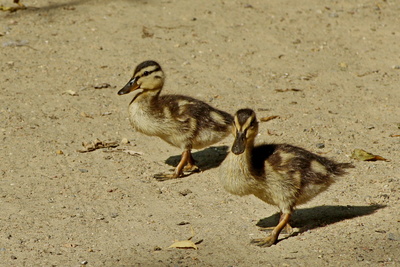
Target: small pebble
{"points": [[125, 141], [83, 170], [185, 192], [393, 237], [343, 66], [13, 257], [320, 145]]}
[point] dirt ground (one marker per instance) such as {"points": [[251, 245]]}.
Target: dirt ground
{"points": [[329, 69]]}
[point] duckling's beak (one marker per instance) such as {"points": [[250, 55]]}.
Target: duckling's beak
{"points": [[129, 87], [239, 144]]}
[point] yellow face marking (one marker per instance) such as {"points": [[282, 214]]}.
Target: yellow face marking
{"points": [[237, 125], [149, 78], [148, 69], [247, 124]]}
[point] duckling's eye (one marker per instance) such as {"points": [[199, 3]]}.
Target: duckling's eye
{"points": [[146, 73], [252, 124]]}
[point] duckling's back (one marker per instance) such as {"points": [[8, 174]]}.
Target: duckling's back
{"points": [[202, 124], [180, 120], [301, 173]]}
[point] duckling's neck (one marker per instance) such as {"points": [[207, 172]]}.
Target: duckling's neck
{"points": [[144, 112], [147, 96], [236, 175]]}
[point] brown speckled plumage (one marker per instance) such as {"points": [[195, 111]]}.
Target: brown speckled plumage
{"points": [[182, 121], [279, 174]]}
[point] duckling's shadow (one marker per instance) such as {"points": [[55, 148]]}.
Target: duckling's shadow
{"points": [[205, 159], [311, 218]]}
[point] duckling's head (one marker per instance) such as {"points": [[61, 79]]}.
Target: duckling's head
{"points": [[245, 129], [148, 75]]}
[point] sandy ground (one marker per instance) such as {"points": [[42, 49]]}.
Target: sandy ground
{"points": [[329, 69]]}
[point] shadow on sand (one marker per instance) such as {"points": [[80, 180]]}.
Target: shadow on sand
{"points": [[205, 159], [311, 218]]}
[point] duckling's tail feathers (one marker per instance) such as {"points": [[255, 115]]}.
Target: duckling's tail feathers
{"points": [[340, 168]]}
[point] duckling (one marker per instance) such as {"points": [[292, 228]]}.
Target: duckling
{"points": [[181, 121], [279, 174]]}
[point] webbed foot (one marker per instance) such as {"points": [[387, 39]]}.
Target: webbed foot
{"points": [[264, 242]]}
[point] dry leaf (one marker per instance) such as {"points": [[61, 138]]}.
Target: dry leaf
{"points": [[97, 144], [84, 114], [70, 92], [185, 244], [264, 119], [367, 73], [146, 32], [133, 153], [363, 155], [102, 86]]}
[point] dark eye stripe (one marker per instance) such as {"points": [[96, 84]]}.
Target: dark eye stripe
{"points": [[147, 73]]}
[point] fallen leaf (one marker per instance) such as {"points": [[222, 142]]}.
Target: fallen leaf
{"points": [[185, 244], [146, 32], [102, 86], [72, 93], [84, 114], [97, 144], [264, 119], [363, 155], [133, 153], [367, 73]]}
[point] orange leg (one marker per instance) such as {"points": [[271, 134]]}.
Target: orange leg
{"points": [[185, 159], [186, 163], [287, 230], [191, 165], [271, 239]]}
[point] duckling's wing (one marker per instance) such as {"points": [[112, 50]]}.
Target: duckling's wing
{"points": [[284, 158], [312, 168], [188, 110]]}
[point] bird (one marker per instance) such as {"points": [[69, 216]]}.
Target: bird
{"points": [[282, 175], [181, 121]]}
